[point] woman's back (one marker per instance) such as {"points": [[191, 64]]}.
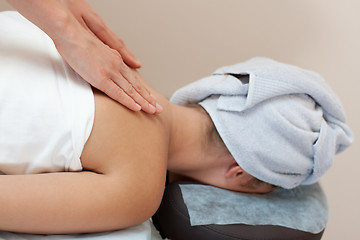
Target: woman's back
{"points": [[49, 117], [133, 146]]}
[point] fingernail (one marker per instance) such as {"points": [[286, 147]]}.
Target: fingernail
{"points": [[159, 108], [138, 107], [138, 62], [152, 108]]}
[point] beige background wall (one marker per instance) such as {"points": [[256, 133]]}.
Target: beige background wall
{"points": [[181, 41]]}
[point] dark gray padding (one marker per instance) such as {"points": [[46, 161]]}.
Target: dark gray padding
{"points": [[172, 220]]}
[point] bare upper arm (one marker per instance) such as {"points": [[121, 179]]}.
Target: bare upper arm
{"points": [[70, 202], [132, 149], [125, 159]]}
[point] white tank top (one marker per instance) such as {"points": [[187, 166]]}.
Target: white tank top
{"points": [[46, 109]]}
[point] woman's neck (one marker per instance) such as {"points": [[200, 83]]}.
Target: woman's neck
{"points": [[187, 137], [192, 148], [187, 129]]}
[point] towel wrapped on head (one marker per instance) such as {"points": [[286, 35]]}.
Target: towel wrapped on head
{"points": [[283, 126]]}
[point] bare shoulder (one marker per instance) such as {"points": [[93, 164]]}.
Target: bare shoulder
{"points": [[129, 146]]}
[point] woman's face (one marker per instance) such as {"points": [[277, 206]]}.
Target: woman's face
{"points": [[248, 184]]}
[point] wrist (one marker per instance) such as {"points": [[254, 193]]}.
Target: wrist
{"points": [[64, 27]]}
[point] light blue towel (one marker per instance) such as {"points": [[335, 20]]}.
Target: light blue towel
{"points": [[303, 208], [283, 127]]}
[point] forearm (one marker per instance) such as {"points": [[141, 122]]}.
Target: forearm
{"points": [[51, 16], [90, 48], [65, 203]]}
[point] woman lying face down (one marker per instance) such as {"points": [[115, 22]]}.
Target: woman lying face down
{"points": [[76, 161], [124, 165], [118, 178]]}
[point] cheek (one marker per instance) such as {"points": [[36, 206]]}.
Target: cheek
{"points": [[211, 179], [258, 190]]}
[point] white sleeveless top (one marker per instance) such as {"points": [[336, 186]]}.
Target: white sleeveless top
{"points": [[46, 109]]}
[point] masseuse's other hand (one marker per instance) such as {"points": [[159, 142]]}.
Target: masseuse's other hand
{"points": [[102, 58]]}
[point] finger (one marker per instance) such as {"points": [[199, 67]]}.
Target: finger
{"points": [[158, 107], [82, 22], [116, 43], [127, 55], [118, 94], [107, 36], [131, 92], [129, 75]]}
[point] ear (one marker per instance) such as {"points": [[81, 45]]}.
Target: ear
{"points": [[234, 171]]}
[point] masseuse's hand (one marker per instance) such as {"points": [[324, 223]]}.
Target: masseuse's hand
{"points": [[102, 63], [86, 16], [91, 49]]}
